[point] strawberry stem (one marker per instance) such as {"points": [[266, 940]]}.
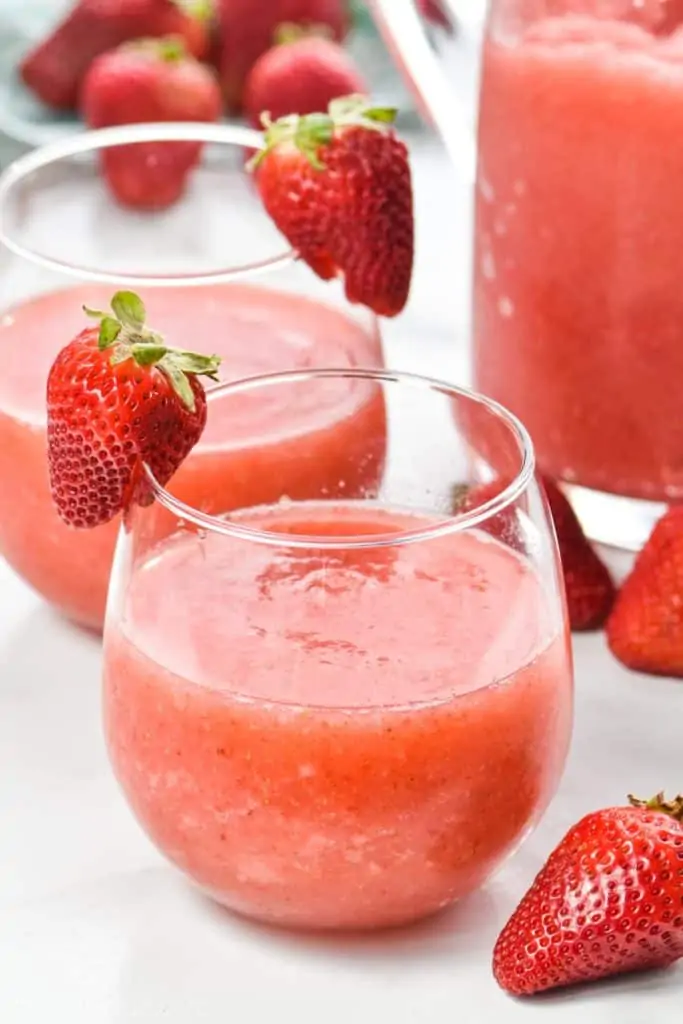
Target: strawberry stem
{"points": [[310, 132], [170, 49], [674, 808], [291, 32], [127, 336]]}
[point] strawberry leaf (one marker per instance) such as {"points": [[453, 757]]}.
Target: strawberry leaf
{"points": [[129, 309], [148, 353], [94, 314], [109, 331], [179, 382], [385, 115], [192, 362]]}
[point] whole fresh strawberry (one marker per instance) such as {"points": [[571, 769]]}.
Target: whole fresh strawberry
{"points": [[55, 68], [608, 901], [338, 186], [645, 629], [588, 585], [119, 399], [249, 27], [300, 76], [144, 81]]}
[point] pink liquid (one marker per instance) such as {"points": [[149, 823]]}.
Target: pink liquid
{"points": [[256, 330], [336, 739], [578, 298]]}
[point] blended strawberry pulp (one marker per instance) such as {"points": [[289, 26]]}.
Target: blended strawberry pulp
{"points": [[255, 330], [579, 234], [307, 748]]}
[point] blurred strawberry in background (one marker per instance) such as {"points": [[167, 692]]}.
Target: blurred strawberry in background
{"points": [[301, 75], [435, 12], [55, 68], [248, 28], [143, 81]]}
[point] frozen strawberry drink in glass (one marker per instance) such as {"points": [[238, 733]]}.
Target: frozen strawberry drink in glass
{"points": [[578, 309], [214, 274], [343, 711]]}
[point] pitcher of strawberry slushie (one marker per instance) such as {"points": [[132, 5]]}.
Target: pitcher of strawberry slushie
{"points": [[577, 300]]}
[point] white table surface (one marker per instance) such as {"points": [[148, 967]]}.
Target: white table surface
{"points": [[95, 928]]}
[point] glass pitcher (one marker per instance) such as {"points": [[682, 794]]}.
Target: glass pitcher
{"points": [[578, 250]]}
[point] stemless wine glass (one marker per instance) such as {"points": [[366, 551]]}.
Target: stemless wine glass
{"points": [[64, 243], [345, 707]]}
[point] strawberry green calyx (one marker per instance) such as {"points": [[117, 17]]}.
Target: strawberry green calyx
{"points": [[308, 132], [170, 49], [201, 10], [125, 333], [292, 32], [672, 808]]}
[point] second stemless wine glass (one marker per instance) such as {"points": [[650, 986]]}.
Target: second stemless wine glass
{"points": [[344, 708], [215, 276]]}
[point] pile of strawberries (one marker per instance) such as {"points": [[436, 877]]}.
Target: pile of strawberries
{"points": [[134, 61]]}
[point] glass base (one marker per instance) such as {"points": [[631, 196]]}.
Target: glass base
{"points": [[613, 520]]}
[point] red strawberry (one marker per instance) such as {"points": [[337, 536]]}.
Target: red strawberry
{"points": [[300, 77], [504, 524], [149, 80], [645, 629], [608, 901], [588, 584], [671, 17], [55, 68], [249, 27], [434, 11], [119, 399], [338, 187]]}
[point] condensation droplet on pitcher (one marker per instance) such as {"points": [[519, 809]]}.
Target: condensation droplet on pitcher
{"points": [[519, 187], [487, 190], [500, 227], [505, 307], [488, 266]]}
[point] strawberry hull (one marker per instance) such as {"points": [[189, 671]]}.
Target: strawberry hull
{"points": [[253, 329]]}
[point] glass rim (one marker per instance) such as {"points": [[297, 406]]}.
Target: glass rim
{"points": [[441, 527], [102, 138]]}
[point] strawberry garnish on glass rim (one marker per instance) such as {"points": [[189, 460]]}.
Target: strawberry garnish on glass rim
{"points": [[119, 398], [608, 901], [338, 186]]}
